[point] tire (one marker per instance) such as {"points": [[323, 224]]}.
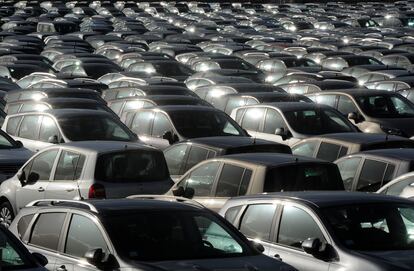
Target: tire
{"points": [[6, 214]]}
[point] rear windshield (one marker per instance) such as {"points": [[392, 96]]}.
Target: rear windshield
{"points": [[303, 177], [261, 148], [131, 166]]}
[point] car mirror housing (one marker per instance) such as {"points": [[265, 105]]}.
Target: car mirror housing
{"points": [[32, 178], [42, 260], [180, 191], [312, 246], [259, 247], [355, 117], [282, 133], [53, 139], [19, 144], [95, 256]]}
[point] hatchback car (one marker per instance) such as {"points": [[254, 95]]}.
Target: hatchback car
{"points": [[136, 234], [214, 181], [329, 230]]}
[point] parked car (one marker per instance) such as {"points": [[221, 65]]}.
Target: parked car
{"points": [[370, 170], [85, 170], [328, 230], [334, 146], [37, 130], [290, 122], [214, 181], [184, 155], [105, 235]]}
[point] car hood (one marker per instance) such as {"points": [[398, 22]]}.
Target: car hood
{"points": [[249, 263], [403, 124], [20, 154], [397, 260]]}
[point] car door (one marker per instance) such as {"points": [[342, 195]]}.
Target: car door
{"points": [[273, 121], [295, 225], [64, 183], [45, 235], [84, 233], [28, 132], [34, 189]]}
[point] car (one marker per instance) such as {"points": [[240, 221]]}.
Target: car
{"points": [[370, 170], [85, 170], [289, 122], [37, 130], [213, 181], [100, 235], [182, 156], [163, 126], [15, 256], [328, 230], [334, 146]]}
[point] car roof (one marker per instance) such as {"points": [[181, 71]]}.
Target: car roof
{"points": [[272, 159], [323, 199], [363, 138], [107, 146], [172, 108], [358, 92], [225, 142], [289, 106], [67, 112], [396, 153]]}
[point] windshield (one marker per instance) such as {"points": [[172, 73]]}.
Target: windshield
{"points": [[172, 235], [385, 106], [318, 121], [94, 127], [204, 123], [235, 64], [172, 69], [303, 178], [131, 166], [12, 256], [373, 227]]}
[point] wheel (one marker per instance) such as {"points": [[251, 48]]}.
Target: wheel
{"points": [[6, 214]]}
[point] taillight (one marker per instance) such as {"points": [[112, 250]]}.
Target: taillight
{"points": [[97, 191]]}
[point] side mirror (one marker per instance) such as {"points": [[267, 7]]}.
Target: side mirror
{"points": [[259, 247], [172, 138], [95, 256], [21, 175], [312, 246], [32, 178], [53, 139], [180, 191], [355, 117], [282, 133], [42, 260], [19, 144]]}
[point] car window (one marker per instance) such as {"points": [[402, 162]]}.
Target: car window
{"points": [[142, 122], [296, 225], [13, 108], [346, 105], [201, 178], [48, 129], [195, 156], [83, 235], [325, 99], [252, 118], [174, 157], [29, 128], [229, 182], [256, 222], [273, 120], [328, 151], [116, 107], [42, 164], [305, 149], [47, 229], [12, 125], [232, 213], [23, 224], [161, 125], [397, 188], [69, 166], [348, 169], [239, 114], [371, 176]]}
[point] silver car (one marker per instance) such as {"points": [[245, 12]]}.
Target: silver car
{"points": [[85, 170]]}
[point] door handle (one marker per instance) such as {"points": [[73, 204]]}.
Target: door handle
{"points": [[61, 268], [41, 189], [70, 189], [277, 256]]}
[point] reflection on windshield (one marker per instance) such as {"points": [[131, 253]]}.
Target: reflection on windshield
{"points": [[385, 106], [373, 227]]}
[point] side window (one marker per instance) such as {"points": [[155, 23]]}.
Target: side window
{"points": [[253, 118], [70, 166], [397, 188], [257, 221], [195, 156], [83, 235], [116, 107], [296, 226], [201, 179], [273, 120], [326, 99], [23, 224], [348, 169], [161, 125], [305, 149], [48, 129], [47, 229], [142, 122], [239, 114], [29, 128], [228, 184], [328, 151], [371, 175], [346, 105], [13, 109], [231, 213], [43, 163], [12, 125], [175, 158]]}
